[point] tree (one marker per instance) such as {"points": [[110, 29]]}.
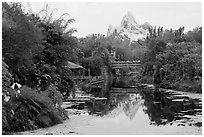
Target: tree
{"points": [[182, 62], [96, 49], [21, 38], [60, 47], [195, 35], [154, 46], [34, 51]]}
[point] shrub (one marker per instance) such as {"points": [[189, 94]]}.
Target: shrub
{"points": [[55, 95], [182, 65], [30, 110], [6, 77]]}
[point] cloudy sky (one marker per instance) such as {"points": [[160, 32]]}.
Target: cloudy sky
{"points": [[95, 17]]}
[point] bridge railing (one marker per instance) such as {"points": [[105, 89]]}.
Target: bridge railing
{"points": [[126, 62], [122, 64], [86, 77]]}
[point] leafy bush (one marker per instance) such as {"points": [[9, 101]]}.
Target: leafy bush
{"points": [[31, 110], [182, 66], [155, 46], [194, 35], [6, 77], [180, 59], [94, 64], [55, 95]]}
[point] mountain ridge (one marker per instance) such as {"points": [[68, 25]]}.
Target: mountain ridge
{"points": [[129, 28]]}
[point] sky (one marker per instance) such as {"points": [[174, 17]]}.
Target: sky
{"points": [[95, 17]]}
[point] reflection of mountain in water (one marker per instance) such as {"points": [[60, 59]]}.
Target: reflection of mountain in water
{"points": [[131, 105], [162, 108], [127, 103]]}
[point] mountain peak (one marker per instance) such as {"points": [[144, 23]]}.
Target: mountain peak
{"points": [[129, 15], [129, 28], [128, 20]]}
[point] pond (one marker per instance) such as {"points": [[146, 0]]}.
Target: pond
{"points": [[135, 111], [140, 111]]}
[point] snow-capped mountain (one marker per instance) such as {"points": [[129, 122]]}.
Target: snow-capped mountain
{"points": [[129, 28]]}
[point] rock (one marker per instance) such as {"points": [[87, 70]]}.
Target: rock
{"points": [[156, 102], [198, 124], [99, 99], [181, 96], [48, 133], [177, 100], [181, 125]]}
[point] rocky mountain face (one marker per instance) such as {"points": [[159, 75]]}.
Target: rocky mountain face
{"points": [[130, 29]]}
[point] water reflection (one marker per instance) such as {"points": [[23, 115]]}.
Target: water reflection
{"points": [[127, 101], [167, 108], [123, 81], [162, 107], [131, 105]]}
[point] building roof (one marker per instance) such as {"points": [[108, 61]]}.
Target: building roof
{"points": [[72, 65]]}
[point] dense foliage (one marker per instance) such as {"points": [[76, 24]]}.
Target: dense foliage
{"points": [[182, 65], [35, 52], [178, 55], [7, 78], [36, 49], [95, 53], [30, 110]]}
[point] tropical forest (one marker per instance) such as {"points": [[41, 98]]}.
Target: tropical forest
{"points": [[136, 79]]}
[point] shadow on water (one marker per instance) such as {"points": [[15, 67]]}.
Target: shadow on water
{"points": [[122, 82], [166, 108]]}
